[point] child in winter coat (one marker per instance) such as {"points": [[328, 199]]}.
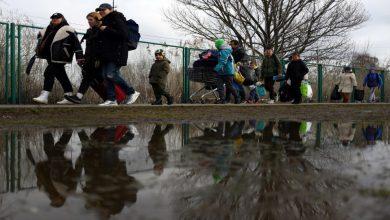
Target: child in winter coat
{"points": [[347, 83], [372, 80], [225, 71], [158, 78]]}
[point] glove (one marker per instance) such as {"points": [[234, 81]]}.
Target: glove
{"points": [[289, 82], [252, 87]]}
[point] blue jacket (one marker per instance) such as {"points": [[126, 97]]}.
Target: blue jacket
{"points": [[225, 64], [373, 80]]}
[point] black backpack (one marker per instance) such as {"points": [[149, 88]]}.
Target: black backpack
{"points": [[133, 34]]}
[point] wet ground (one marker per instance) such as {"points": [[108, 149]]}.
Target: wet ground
{"points": [[254, 169]]}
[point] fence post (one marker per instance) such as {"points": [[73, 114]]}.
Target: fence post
{"points": [[319, 81], [186, 82], [6, 67], [383, 87], [12, 64], [19, 65]]}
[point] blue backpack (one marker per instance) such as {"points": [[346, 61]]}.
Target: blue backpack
{"points": [[133, 34], [373, 80]]}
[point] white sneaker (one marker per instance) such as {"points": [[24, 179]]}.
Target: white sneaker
{"points": [[65, 102], [132, 98], [43, 98], [109, 103], [133, 130], [271, 101]]}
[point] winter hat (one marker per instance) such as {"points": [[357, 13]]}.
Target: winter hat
{"points": [[160, 51], [103, 7], [347, 69], [56, 16], [219, 43]]}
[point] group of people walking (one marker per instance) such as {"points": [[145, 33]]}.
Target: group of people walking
{"points": [[233, 58], [107, 51]]}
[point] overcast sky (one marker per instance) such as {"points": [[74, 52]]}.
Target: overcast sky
{"points": [[149, 15]]}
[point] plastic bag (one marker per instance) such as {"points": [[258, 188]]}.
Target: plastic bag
{"points": [[306, 90], [239, 78], [261, 91]]}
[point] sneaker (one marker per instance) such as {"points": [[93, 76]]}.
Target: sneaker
{"points": [[65, 102], [73, 98], [131, 98], [43, 98], [109, 103], [271, 101]]}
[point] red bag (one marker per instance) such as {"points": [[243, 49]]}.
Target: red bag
{"points": [[120, 95]]}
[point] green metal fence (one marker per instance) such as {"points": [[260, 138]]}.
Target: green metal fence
{"points": [[16, 51]]}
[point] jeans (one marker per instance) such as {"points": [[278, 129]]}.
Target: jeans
{"points": [[56, 71], [372, 97], [111, 74]]}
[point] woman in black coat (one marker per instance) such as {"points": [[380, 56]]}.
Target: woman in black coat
{"points": [[57, 44]]}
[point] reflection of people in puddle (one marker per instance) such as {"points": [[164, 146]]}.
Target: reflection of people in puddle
{"points": [[372, 134], [291, 132], [108, 188], [346, 132], [157, 148], [57, 176]]}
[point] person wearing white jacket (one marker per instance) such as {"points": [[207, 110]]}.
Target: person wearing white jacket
{"points": [[347, 83]]}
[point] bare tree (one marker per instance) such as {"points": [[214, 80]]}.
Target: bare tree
{"points": [[319, 28]]}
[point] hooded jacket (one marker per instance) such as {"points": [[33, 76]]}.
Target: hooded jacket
{"points": [[159, 72], [59, 44], [225, 66]]}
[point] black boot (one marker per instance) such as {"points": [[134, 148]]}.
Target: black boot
{"points": [[169, 100], [157, 102]]}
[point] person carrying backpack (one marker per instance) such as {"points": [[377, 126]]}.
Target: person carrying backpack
{"points": [[57, 44], [270, 67], [372, 80], [158, 78], [347, 83], [296, 71], [113, 53], [225, 71]]}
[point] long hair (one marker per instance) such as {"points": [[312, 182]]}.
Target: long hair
{"points": [[96, 16]]}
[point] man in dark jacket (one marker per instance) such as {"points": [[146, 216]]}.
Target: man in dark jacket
{"points": [[158, 78], [57, 44], [296, 71], [114, 53], [270, 67]]}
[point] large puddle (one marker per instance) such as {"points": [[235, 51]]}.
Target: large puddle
{"points": [[227, 170]]}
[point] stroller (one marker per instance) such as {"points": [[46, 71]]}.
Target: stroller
{"points": [[203, 72]]}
